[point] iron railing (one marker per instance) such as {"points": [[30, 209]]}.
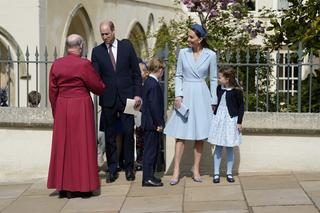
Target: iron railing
{"points": [[281, 81], [273, 81], [20, 74], [278, 81]]}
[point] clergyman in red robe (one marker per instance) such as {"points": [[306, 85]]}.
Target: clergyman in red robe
{"points": [[73, 165]]}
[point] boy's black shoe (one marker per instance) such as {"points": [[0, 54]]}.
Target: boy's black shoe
{"points": [[111, 177]]}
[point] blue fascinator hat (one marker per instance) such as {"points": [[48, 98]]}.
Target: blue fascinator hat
{"points": [[200, 29]]}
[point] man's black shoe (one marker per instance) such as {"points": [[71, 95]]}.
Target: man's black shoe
{"points": [[156, 179], [62, 194], [111, 177], [86, 194], [151, 183], [130, 175]]}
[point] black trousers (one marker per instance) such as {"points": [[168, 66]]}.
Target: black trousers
{"points": [[150, 153], [110, 116]]}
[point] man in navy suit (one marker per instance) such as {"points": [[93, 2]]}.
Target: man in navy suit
{"points": [[152, 122], [117, 63]]}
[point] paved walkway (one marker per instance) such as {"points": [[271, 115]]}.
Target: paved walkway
{"points": [[258, 193]]}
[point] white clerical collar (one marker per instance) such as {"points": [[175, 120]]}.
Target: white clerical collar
{"points": [[225, 88], [153, 76]]}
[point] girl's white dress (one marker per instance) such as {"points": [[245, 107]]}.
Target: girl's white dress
{"points": [[223, 129]]}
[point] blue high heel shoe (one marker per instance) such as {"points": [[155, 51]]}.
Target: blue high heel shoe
{"points": [[197, 179], [174, 182]]}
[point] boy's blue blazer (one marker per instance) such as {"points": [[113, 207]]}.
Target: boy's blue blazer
{"points": [[152, 105]]}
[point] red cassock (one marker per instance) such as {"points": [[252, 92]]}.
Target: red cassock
{"points": [[73, 163]]}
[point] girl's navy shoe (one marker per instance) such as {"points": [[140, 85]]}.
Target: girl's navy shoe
{"points": [[230, 178], [216, 179]]}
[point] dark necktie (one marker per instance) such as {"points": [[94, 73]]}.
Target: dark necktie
{"points": [[113, 61]]}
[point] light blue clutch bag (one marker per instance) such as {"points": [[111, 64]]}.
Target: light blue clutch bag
{"points": [[183, 110]]}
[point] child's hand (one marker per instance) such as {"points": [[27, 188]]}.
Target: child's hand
{"points": [[239, 127], [177, 102], [159, 129], [213, 107]]}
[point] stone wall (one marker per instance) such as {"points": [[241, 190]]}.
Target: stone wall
{"points": [[273, 142]]}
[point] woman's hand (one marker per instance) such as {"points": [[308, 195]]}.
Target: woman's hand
{"points": [[177, 102], [239, 127]]}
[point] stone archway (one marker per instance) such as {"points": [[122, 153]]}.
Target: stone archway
{"points": [[79, 23], [5, 67], [139, 40], [8, 73]]}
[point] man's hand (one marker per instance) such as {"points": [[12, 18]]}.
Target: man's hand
{"points": [[159, 128], [138, 102], [177, 102]]}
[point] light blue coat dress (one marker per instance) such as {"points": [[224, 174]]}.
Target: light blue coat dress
{"points": [[191, 85]]}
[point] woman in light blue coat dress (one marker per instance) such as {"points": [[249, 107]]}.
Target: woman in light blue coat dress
{"points": [[194, 65]]}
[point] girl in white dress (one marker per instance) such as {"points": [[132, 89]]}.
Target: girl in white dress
{"points": [[226, 124]]}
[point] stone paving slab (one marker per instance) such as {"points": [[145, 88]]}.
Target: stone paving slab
{"points": [[306, 176], [5, 202], [153, 204], [94, 204], [276, 197], [36, 204], [251, 193], [168, 212], [249, 174], [39, 188], [114, 190], [102, 212], [197, 206], [13, 190], [220, 211], [214, 193], [269, 182], [316, 200], [285, 209], [312, 188]]}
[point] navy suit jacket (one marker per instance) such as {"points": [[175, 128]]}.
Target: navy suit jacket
{"points": [[125, 81], [152, 105]]}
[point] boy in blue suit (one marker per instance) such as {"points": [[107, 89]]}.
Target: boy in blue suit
{"points": [[152, 122]]}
